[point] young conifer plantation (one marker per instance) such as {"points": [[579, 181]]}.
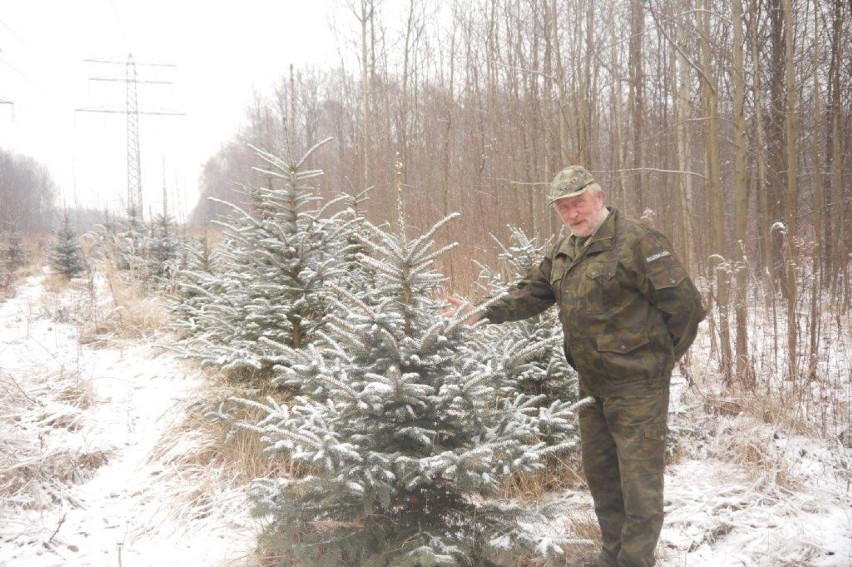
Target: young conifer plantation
{"points": [[403, 429], [400, 422]]}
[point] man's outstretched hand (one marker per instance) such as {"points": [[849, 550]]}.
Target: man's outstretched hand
{"points": [[461, 306]]}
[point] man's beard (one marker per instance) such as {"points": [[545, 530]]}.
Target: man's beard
{"points": [[592, 224]]}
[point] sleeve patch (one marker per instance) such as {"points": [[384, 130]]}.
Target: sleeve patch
{"points": [[657, 256]]}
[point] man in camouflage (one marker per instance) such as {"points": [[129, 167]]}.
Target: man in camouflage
{"points": [[629, 311]]}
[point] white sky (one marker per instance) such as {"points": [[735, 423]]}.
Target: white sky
{"points": [[223, 52]]}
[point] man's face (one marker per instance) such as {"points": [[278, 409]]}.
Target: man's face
{"points": [[583, 213]]}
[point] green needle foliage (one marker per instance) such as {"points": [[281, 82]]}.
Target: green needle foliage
{"points": [[66, 258]]}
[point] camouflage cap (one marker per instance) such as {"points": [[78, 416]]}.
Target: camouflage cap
{"points": [[570, 182]]}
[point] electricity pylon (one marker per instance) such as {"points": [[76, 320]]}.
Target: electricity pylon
{"points": [[131, 110]]}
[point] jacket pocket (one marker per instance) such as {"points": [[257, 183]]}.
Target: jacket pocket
{"points": [[665, 279], [621, 343], [625, 357], [603, 291]]}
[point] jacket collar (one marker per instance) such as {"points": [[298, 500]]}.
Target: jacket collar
{"points": [[604, 238]]}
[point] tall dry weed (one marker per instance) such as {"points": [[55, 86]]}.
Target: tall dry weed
{"points": [[129, 312]]}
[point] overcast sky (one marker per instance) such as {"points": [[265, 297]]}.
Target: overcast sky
{"points": [[221, 52]]}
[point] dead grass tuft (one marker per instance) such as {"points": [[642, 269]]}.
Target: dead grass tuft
{"points": [[203, 465], [745, 431], [35, 469], [583, 527], [38, 481], [558, 474], [217, 443], [65, 301], [132, 313], [54, 283]]}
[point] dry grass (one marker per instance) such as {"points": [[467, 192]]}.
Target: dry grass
{"points": [[54, 283], [131, 313], [216, 442], [203, 465], [558, 474], [742, 429], [65, 301], [107, 305], [34, 418], [38, 481], [583, 526]]}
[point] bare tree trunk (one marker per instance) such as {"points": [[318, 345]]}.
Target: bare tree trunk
{"points": [[743, 370], [763, 215], [618, 152], [447, 145], [792, 132], [584, 155], [776, 182], [835, 232], [637, 98], [550, 39], [816, 152], [365, 13], [715, 197], [564, 144], [684, 154]]}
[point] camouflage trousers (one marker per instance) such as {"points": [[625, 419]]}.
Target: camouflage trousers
{"points": [[624, 445]]}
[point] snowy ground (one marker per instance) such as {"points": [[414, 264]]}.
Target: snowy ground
{"points": [[85, 478], [98, 466], [745, 493]]}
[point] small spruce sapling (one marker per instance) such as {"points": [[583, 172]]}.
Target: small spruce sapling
{"points": [[271, 265], [66, 257], [12, 250]]}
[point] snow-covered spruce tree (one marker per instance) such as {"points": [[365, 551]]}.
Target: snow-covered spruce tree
{"points": [[66, 257], [199, 282], [5, 275], [402, 431], [163, 249], [12, 250], [147, 254], [271, 264], [535, 362], [12, 256]]}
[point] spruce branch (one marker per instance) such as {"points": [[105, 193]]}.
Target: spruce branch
{"points": [[435, 228], [532, 350], [354, 301]]}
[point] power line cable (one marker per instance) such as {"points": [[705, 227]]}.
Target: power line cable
{"points": [[23, 75], [27, 78], [14, 33], [118, 23]]}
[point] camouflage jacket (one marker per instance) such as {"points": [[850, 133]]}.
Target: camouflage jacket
{"points": [[627, 306]]}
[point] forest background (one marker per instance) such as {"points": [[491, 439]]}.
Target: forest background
{"points": [[725, 125]]}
